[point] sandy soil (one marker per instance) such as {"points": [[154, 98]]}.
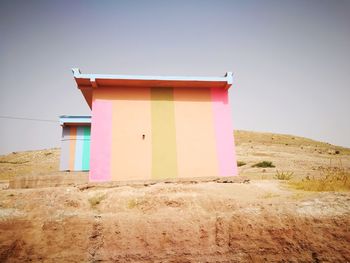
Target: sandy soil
{"points": [[259, 221]]}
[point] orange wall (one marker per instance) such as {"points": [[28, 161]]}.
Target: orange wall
{"points": [[161, 133], [196, 152], [131, 114]]}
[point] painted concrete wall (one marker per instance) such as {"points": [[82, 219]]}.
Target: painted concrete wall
{"points": [[75, 148], [141, 133]]}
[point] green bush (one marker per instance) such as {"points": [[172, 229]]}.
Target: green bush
{"points": [[240, 163], [264, 164]]}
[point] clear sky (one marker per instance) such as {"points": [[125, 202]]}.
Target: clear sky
{"points": [[291, 60]]}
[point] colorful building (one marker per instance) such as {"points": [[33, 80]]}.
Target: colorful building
{"points": [[75, 143], [152, 127]]}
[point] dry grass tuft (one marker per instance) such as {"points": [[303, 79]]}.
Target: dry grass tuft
{"points": [[132, 203], [96, 200], [270, 195], [283, 175], [332, 178]]}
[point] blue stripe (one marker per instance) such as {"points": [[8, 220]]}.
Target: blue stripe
{"points": [[78, 162]]}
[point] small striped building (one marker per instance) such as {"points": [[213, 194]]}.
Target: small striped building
{"points": [[151, 127], [75, 143]]}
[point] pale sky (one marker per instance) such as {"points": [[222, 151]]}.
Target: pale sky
{"points": [[290, 59]]}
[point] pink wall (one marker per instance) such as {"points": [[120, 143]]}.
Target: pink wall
{"points": [[224, 133], [101, 137]]}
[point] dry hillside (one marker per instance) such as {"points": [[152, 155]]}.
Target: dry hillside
{"points": [[288, 153], [264, 220]]}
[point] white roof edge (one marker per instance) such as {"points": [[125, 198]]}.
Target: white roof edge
{"points": [[74, 119], [77, 74], [75, 116], [229, 77]]}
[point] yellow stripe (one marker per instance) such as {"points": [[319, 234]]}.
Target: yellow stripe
{"points": [[164, 162]]}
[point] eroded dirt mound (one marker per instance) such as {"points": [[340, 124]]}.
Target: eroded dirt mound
{"points": [[203, 222], [177, 222]]}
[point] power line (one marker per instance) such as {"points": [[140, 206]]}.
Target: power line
{"points": [[26, 119]]}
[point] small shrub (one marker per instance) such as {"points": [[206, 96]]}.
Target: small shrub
{"points": [[283, 175], [264, 164], [96, 200], [240, 163]]}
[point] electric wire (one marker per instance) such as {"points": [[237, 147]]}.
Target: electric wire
{"points": [[26, 119]]}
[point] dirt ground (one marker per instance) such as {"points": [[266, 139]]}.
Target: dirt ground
{"points": [[264, 220]]}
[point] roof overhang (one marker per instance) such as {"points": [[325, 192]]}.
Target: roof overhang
{"points": [[66, 120], [87, 82]]}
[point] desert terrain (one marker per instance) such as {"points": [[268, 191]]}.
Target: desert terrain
{"points": [[267, 214]]}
